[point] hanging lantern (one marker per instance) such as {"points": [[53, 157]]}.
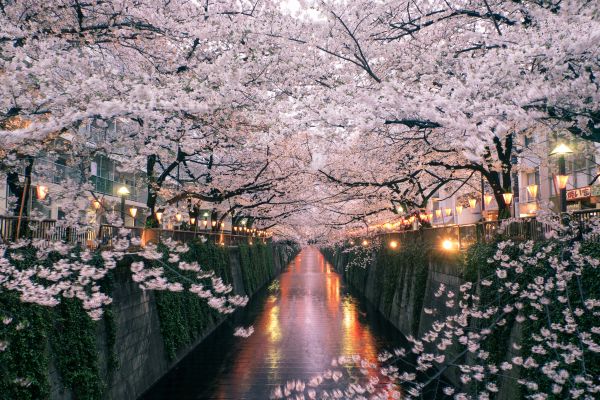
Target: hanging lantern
{"points": [[213, 223], [205, 222], [459, 210], [472, 203], [488, 199], [508, 197], [96, 204], [561, 181], [532, 190], [159, 215], [448, 212], [178, 217], [41, 192], [193, 221], [133, 212]]}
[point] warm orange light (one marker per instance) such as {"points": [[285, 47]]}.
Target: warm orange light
{"points": [[159, 215], [459, 210], [449, 245], [133, 212], [508, 197], [393, 244], [561, 181], [488, 199], [192, 220], [178, 217], [472, 203], [561, 149], [438, 213], [213, 223], [533, 191], [41, 192], [388, 226], [96, 204], [352, 243], [365, 242], [448, 212]]}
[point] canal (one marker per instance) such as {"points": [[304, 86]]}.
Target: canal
{"points": [[302, 320]]}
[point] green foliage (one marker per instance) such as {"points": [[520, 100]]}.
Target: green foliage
{"points": [[65, 334], [257, 264], [184, 317], [73, 341]]}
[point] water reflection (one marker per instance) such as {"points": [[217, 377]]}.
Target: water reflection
{"points": [[301, 324]]}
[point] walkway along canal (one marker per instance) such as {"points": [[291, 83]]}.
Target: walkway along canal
{"points": [[303, 320]]}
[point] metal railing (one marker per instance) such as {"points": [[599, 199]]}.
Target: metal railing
{"points": [[52, 231], [485, 232]]}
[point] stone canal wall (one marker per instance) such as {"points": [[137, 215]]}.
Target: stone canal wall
{"points": [[152, 331]]}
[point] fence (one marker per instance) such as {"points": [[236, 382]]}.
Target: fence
{"points": [[462, 236], [52, 231]]}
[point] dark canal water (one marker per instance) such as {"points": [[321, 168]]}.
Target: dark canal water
{"points": [[302, 321]]}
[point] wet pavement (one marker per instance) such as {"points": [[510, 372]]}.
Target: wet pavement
{"points": [[302, 321]]}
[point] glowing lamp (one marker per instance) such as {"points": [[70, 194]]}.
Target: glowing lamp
{"points": [[192, 220], [508, 197], [178, 217], [532, 190], [213, 223], [472, 203], [96, 204], [352, 243], [205, 222], [365, 242], [41, 192], [487, 199], [448, 245], [438, 213], [159, 215], [133, 212], [123, 191], [448, 212], [393, 244], [459, 210], [388, 226], [561, 181], [560, 150]]}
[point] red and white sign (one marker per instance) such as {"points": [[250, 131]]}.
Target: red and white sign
{"points": [[579, 193]]}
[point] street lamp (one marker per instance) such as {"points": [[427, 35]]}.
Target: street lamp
{"points": [[123, 192], [133, 212], [472, 203], [41, 192], [561, 150], [487, 199], [532, 190]]}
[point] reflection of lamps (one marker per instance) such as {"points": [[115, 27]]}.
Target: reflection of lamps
{"points": [[41, 192], [561, 150], [393, 244], [133, 212], [448, 212], [487, 199], [507, 198], [472, 203], [159, 215], [438, 213], [459, 210], [532, 190]]}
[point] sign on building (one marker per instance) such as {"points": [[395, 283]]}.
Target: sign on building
{"points": [[579, 193]]}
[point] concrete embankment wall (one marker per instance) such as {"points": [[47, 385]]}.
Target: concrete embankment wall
{"points": [[143, 353]]}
